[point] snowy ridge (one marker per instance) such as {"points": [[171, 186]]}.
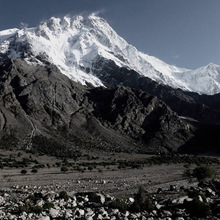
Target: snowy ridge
{"points": [[204, 80], [74, 43]]}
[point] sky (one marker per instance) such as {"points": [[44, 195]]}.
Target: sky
{"points": [[185, 33]]}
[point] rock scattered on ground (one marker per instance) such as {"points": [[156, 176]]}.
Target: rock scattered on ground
{"points": [[179, 203]]}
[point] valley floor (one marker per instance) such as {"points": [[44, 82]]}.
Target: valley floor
{"points": [[98, 174], [105, 186]]}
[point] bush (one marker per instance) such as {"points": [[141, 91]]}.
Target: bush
{"points": [[119, 204], [24, 208], [90, 168], [63, 195], [34, 197], [64, 169], [54, 148], [48, 205], [30, 204], [37, 209], [187, 173], [23, 171], [201, 173], [92, 196], [34, 170], [29, 209], [58, 164], [197, 208], [122, 166], [1, 165], [141, 202]]}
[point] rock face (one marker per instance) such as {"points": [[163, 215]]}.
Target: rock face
{"points": [[38, 102], [141, 116], [201, 107], [201, 110]]}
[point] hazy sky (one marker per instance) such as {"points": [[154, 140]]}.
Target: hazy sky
{"points": [[181, 32]]}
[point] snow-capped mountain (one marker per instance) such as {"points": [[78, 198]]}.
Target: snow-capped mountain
{"points": [[204, 80], [74, 44]]}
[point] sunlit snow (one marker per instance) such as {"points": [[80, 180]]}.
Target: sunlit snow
{"points": [[74, 43]]}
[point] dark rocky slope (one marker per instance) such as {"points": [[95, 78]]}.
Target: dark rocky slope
{"points": [[38, 103], [205, 109], [201, 107]]}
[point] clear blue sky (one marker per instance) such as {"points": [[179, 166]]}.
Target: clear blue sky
{"points": [[181, 32]]}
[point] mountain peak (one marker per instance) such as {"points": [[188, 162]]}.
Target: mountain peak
{"points": [[212, 66], [74, 22], [75, 44]]}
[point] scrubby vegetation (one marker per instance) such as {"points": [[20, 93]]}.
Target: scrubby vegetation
{"points": [[16, 161], [141, 202], [31, 204], [63, 195], [85, 162], [119, 204], [197, 168], [200, 173], [177, 158], [23, 171], [64, 169], [34, 170], [8, 142], [50, 147], [197, 208]]}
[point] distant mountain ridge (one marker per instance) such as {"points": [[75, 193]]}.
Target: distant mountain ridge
{"points": [[76, 44]]}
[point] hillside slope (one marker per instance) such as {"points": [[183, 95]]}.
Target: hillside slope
{"points": [[41, 103]]}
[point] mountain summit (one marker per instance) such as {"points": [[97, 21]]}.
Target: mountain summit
{"points": [[82, 46]]}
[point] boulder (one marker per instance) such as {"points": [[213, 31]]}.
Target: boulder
{"points": [[43, 218], [96, 197], [2, 200], [54, 213], [181, 200], [210, 192]]}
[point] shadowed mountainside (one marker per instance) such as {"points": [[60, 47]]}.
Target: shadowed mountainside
{"points": [[204, 108], [39, 102]]}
